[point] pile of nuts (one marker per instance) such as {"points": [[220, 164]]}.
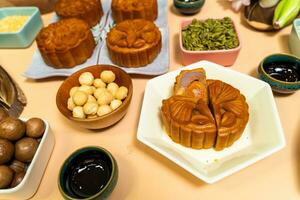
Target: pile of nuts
{"points": [[96, 96], [18, 143]]}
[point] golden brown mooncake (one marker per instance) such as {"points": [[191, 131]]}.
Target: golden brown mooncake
{"points": [[134, 9], [230, 110], [204, 113], [133, 43], [66, 43], [89, 11], [188, 121]]}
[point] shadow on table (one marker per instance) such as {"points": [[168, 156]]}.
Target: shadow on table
{"points": [[163, 160]]}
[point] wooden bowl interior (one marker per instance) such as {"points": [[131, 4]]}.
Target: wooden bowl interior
{"points": [[122, 79]]}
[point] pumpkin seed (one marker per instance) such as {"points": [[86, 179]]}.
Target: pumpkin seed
{"points": [[211, 34]]}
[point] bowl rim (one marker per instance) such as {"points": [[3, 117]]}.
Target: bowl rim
{"points": [[189, 21], [125, 102], [190, 3], [75, 154], [31, 16], [32, 163], [270, 77]]}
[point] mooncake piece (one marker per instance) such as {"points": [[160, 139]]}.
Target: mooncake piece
{"points": [[133, 43], [66, 43], [134, 9], [204, 113], [230, 111], [89, 11]]}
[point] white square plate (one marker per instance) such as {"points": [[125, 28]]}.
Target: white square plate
{"points": [[262, 136]]}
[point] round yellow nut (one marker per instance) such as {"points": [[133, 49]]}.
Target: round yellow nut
{"points": [[105, 98], [90, 108], [87, 89], [115, 104], [78, 112], [99, 92], [112, 88], [71, 104], [107, 76], [121, 93], [86, 78], [91, 98], [98, 83], [73, 90], [103, 110], [79, 98]]}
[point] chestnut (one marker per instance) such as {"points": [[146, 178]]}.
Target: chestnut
{"points": [[12, 128], [25, 149], [17, 166], [6, 151], [35, 127], [6, 176], [17, 179]]}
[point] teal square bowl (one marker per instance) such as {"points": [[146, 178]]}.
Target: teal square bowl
{"points": [[24, 37]]}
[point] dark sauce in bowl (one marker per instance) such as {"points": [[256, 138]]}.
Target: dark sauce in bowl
{"points": [[88, 177], [87, 174], [283, 71]]}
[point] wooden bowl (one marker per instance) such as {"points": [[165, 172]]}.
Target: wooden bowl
{"points": [[122, 79]]}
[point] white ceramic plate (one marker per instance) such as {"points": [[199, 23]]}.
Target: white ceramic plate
{"points": [[263, 134]]}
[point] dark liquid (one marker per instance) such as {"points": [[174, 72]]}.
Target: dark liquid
{"points": [[188, 0], [88, 177], [284, 71]]}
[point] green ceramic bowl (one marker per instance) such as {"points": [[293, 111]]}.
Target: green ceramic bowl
{"points": [[188, 7], [276, 84], [86, 155]]}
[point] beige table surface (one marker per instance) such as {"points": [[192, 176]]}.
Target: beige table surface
{"points": [[144, 173]]}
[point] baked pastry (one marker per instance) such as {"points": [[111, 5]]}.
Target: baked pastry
{"points": [[66, 43], [204, 113], [88, 10], [230, 110], [133, 43], [134, 9]]}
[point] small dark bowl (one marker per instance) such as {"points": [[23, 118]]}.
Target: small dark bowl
{"points": [[188, 8], [84, 154], [277, 85]]}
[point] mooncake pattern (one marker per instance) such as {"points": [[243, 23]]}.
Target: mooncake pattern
{"points": [[88, 10], [133, 43], [204, 113], [66, 43], [134, 9]]}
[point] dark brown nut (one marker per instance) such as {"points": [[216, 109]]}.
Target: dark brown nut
{"points": [[12, 128], [17, 179], [6, 151], [17, 166], [35, 127], [6, 176], [3, 114], [25, 149]]}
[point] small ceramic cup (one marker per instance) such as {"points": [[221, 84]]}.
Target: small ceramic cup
{"points": [[279, 85], [188, 7], [85, 155]]}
